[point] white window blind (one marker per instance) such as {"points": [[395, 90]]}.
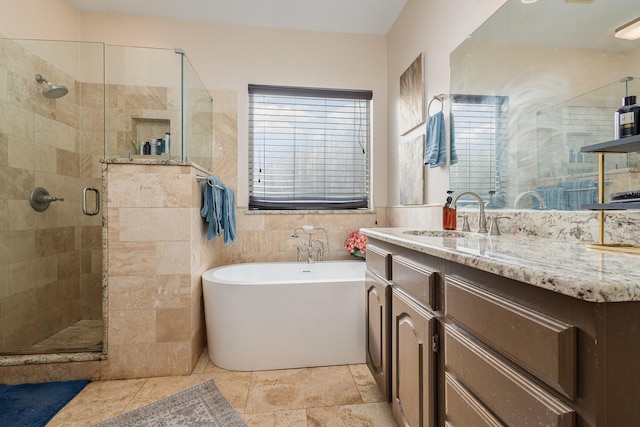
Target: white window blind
{"points": [[479, 131], [308, 148]]}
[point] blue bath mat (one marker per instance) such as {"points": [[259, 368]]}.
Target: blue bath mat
{"points": [[34, 405]]}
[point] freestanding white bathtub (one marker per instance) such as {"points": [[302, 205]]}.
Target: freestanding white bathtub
{"points": [[280, 315]]}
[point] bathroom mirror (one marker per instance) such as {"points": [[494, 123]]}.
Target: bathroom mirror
{"points": [[531, 86]]}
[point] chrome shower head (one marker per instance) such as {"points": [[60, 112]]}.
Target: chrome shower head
{"points": [[51, 91], [295, 234]]}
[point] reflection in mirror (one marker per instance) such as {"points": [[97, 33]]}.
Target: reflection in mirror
{"points": [[529, 88]]}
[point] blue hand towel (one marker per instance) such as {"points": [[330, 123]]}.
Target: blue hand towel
{"points": [[580, 192], [453, 155], [218, 209], [229, 215], [554, 198], [207, 202], [435, 153], [212, 206]]}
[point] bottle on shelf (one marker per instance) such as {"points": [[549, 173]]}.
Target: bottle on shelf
{"points": [[628, 117]]}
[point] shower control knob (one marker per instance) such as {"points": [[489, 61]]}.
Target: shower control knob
{"points": [[40, 199]]}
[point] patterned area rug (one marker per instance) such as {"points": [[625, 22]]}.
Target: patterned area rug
{"points": [[202, 405]]}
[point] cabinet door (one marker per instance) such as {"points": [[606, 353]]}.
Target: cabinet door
{"points": [[378, 306], [413, 362]]}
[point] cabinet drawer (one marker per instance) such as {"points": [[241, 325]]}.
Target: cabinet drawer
{"points": [[541, 345], [462, 409], [379, 261], [416, 279], [511, 396]]}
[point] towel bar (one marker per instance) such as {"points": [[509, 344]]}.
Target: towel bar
{"points": [[201, 178]]}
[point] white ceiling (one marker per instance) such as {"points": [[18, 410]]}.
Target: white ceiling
{"points": [[351, 16]]}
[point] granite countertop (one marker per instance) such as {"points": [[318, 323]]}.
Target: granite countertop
{"points": [[568, 268]]}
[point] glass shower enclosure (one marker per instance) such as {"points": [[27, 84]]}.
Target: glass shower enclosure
{"points": [[51, 141], [65, 107]]}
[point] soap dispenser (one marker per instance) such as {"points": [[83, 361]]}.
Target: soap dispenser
{"points": [[627, 117], [449, 213]]}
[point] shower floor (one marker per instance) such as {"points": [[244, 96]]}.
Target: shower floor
{"points": [[84, 335]]}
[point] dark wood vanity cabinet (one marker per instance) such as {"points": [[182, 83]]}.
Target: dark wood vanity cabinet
{"points": [[413, 362], [414, 341], [402, 331], [488, 339], [378, 317], [519, 355], [472, 348]]}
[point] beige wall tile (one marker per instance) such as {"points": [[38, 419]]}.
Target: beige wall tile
{"points": [[32, 156], [150, 190], [16, 183], [132, 327], [113, 224], [4, 216], [55, 134], [4, 278], [22, 216], [131, 259], [154, 224], [173, 257], [16, 246], [148, 360], [149, 292], [67, 163], [4, 145], [3, 83], [55, 241], [21, 277], [19, 122], [173, 325]]}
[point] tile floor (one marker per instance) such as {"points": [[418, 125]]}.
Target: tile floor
{"points": [[331, 396], [84, 335]]}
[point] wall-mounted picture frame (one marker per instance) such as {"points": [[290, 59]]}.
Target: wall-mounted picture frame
{"points": [[412, 96], [412, 171]]}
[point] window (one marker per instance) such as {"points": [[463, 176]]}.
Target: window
{"points": [[309, 148], [479, 133]]}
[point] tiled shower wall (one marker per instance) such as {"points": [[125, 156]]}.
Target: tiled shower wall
{"points": [[44, 254], [157, 254]]}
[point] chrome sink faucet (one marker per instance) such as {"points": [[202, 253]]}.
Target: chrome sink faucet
{"points": [[482, 220], [535, 195]]}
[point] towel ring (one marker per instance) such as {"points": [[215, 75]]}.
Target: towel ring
{"points": [[438, 98]]}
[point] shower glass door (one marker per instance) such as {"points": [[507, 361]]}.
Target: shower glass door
{"points": [[52, 137]]}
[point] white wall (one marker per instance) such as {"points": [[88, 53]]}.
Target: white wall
{"points": [[435, 28], [39, 19]]}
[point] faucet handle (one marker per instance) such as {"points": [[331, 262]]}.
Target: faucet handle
{"points": [[494, 230], [465, 222]]}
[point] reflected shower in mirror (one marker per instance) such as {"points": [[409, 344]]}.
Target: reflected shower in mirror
{"points": [[529, 88]]}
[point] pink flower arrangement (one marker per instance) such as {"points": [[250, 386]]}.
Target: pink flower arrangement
{"points": [[356, 244]]}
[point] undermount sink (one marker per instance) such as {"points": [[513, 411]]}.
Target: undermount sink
{"points": [[435, 233]]}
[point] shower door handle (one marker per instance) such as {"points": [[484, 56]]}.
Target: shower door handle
{"points": [[84, 201]]}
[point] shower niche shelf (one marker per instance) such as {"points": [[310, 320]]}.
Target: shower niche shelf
{"points": [[616, 146], [147, 129]]}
